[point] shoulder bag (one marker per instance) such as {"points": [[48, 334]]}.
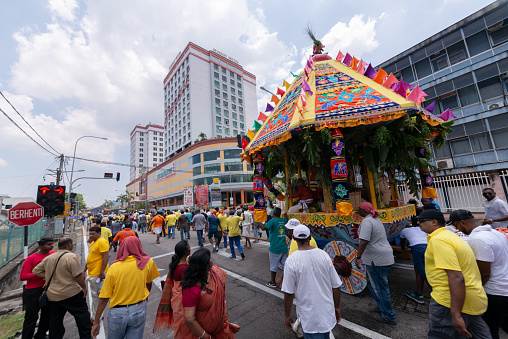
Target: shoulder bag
{"points": [[43, 299]]}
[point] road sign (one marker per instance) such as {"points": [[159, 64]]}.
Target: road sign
{"points": [[26, 213]]}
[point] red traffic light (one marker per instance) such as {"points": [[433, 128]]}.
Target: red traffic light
{"points": [[44, 189], [118, 176], [59, 189], [108, 175]]}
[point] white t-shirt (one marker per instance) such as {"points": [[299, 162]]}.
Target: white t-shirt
{"points": [[414, 235], [378, 250], [492, 246], [310, 276], [494, 209], [247, 219]]}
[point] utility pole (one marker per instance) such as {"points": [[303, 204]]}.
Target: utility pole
{"points": [[51, 221], [59, 171]]}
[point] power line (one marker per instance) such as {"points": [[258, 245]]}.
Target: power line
{"points": [[37, 178], [102, 162], [22, 130], [14, 108]]}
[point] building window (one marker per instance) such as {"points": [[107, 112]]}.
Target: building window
{"points": [[233, 106], [217, 101], [212, 168], [225, 95], [223, 70], [239, 85], [225, 87], [468, 95], [499, 130], [233, 166], [196, 159], [422, 68], [477, 43], [499, 34], [241, 117], [234, 115], [232, 82], [212, 155], [460, 146], [141, 155], [216, 75], [240, 93], [235, 124], [242, 126], [141, 139], [226, 121], [490, 88], [217, 92], [240, 109], [140, 160], [233, 98], [226, 130], [219, 129], [141, 144], [155, 154], [232, 90], [224, 78], [219, 136], [216, 67], [226, 113], [231, 154], [218, 120], [155, 161], [457, 52], [217, 110], [141, 134], [141, 150], [238, 77], [196, 171], [450, 101], [225, 103], [240, 101]]}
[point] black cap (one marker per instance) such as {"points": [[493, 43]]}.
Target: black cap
{"points": [[431, 214], [459, 215]]}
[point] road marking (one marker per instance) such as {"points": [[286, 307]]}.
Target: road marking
{"points": [[226, 254], [343, 322], [171, 253], [404, 266], [89, 294]]}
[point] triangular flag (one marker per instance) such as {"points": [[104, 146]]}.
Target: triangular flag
{"points": [[447, 115], [309, 64], [416, 94], [361, 67], [380, 76], [430, 108], [256, 126], [293, 74], [306, 87], [307, 71], [274, 99], [285, 84], [354, 63], [302, 96], [262, 117], [370, 72], [399, 89], [244, 143], [280, 91], [405, 84], [250, 134], [347, 59], [269, 108], [339, 57], [390, 81]]}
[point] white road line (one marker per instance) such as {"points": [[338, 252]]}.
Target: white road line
{"points": [[404, 266], [171, 253], [226, 254], [343, 322], [89, 294]]}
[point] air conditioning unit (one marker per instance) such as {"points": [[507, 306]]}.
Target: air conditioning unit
{"points": [[444, 164], [495, 105]]}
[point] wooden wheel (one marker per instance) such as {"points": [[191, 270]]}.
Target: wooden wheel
{"points": [[357, 281]]}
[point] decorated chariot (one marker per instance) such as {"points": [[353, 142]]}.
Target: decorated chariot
{"points": [[353, 132]]}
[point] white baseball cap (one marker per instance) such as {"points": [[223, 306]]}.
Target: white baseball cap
{"points": [[301, 232], [292, 223]]}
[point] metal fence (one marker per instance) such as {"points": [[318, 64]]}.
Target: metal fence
{"points": [[12, 238], [456, 191]]}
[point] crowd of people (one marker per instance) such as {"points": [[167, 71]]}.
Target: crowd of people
{"points": [[464, 263]]}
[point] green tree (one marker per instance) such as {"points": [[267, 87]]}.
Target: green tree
{"points": [[107, 204], [202, 136], [125, 197], [79, 197]]}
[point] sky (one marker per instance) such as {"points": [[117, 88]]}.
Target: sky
{"points": [[79, 68]]}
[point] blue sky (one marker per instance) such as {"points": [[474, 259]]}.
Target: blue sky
{"points": [[75, 68]]}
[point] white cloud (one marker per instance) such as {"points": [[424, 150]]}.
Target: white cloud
{"points": [[3, 163], [63, 8]]}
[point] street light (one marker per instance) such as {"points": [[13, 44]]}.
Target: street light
{"points": [[74, 159], [228, 168], [264, 89]]}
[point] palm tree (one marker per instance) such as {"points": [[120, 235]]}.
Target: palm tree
{"points": [[107, 204], [127, 197]]}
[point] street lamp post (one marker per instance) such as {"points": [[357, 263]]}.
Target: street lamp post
{"points": [[74, 159], [264, 89], [230, 187]]}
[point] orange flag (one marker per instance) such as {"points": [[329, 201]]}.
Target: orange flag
{"points": [[274, 99], [380, 76], [390, 81], [262, 117], [354, 63]]}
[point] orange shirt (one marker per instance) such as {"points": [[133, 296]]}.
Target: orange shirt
{"points": [[304, 193], [158, 221], [120, 236]]}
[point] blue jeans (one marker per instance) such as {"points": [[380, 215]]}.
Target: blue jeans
{"points": [[200, 237], [236, 241], [256, 231], [127, 322], [316, 335], [142, 228], [171, 231], [225, 237], [377, 281], [186, 230]]}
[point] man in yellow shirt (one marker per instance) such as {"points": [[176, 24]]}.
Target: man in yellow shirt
{"points": [[458, 298], [223, 226], [106, 233], [233, 226], [96, 264], [170, 223], [126, 287]]}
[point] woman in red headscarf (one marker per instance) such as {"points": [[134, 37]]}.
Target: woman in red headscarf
{"points": [[128, 283]]}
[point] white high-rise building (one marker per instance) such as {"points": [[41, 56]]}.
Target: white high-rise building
{"points": [[205, 92], [147, 148]]}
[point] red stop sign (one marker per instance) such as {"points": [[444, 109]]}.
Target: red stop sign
{"points": [[26, 213]]}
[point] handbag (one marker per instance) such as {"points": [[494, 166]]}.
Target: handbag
{"points": [[43, 299]]}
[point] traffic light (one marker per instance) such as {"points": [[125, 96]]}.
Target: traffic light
{"points": [[108, 175], [52, 199], [118, 176]]}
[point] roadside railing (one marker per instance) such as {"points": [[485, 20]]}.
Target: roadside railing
{"points": [[12, 239]]}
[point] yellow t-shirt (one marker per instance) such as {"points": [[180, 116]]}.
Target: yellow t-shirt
{"points": [[94, 259], [232, 224], [125, 283], [171, 220], [294, 245], [447, 251], [106, 233], [223, 222], [177, 214]]}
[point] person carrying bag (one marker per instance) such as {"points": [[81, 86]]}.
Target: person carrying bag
{"points": [[43, 299]]}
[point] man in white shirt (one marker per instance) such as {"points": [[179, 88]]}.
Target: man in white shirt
{"points": [[491, 251], [418, 243], [247, 225], [309, 276], [496, 210]]}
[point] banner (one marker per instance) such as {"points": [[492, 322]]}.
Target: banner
{"points": [[166, 172], [215, 196], [202, 195], [188, 199]]}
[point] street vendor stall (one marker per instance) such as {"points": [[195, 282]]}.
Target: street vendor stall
{"points": [[350, 132]]}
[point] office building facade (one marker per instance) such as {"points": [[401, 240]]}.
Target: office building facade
{"points": [[205, 92], [147, 148], [197, 165]]}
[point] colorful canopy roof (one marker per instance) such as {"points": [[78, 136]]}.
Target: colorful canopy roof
{"points": [[334, 96]]}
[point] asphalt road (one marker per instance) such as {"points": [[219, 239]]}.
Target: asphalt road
{"points": [[259, 310]]}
